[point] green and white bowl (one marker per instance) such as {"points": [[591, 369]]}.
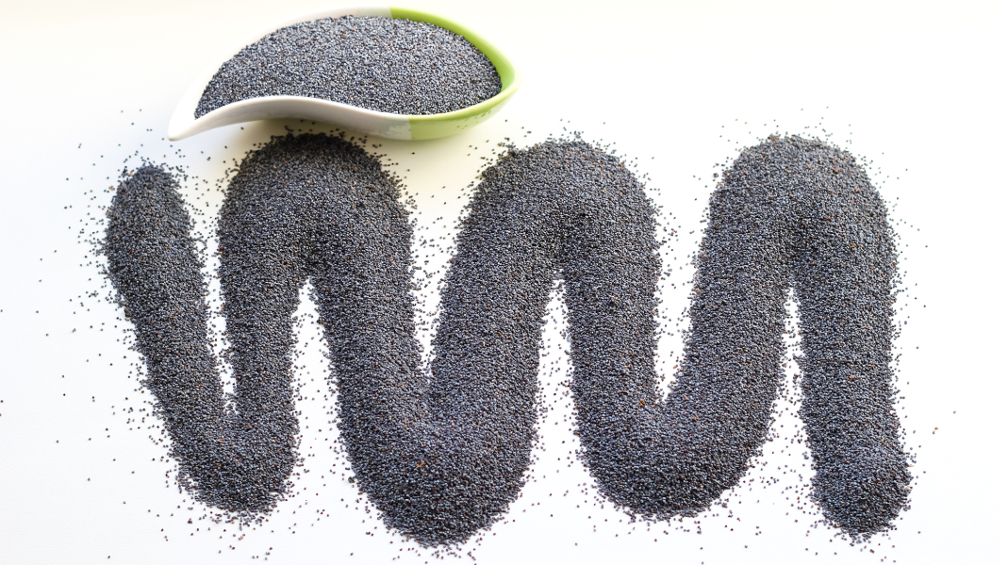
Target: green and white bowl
{"points": [[394, 126]]}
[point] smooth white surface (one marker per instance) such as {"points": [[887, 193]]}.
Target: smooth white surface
{"points": [[678, 87]]}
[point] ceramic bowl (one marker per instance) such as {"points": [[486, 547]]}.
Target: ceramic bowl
{"points": [[394, 126]]}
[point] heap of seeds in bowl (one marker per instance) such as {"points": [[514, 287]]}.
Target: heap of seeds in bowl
{"points": [[388, 65]]}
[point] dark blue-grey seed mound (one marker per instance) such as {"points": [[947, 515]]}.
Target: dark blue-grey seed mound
{"points": [[235, 460], [384, 64], [809, 217], [791, 214], [443, 451]]}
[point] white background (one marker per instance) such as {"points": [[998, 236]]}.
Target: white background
{"points": [[678, 87]]}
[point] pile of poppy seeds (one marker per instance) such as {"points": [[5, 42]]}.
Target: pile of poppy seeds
{"points": [[443, 450], [384, 64]]}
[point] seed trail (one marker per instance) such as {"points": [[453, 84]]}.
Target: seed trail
{"points": [[442, 451]]}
